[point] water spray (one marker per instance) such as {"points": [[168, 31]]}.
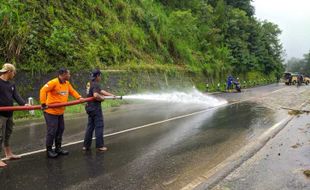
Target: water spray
{"points": [[190, 97], [113, 97]]}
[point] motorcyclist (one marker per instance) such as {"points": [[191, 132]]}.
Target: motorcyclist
{"points": [[229, 82], [237, 85]]}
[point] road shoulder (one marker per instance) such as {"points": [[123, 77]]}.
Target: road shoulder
{"points": [[280, 164]]}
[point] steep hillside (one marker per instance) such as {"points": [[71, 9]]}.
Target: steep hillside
{"points": [[215, 37]]}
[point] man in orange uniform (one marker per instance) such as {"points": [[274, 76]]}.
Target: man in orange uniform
{"points": [[56, 90]]}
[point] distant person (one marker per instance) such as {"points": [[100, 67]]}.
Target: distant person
{"points": [[8, 93], [94, 111], [229, 82], [299, 80], [56, 90]]}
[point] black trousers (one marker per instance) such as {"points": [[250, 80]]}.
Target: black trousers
{"points": [[95, 123], [55, 129]]}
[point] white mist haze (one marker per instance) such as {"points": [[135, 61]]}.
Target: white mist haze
{"points": [[293, 18]]}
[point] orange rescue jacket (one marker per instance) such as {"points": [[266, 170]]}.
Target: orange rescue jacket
{"points": [[56, 91]]}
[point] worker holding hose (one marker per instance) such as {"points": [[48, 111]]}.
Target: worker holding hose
{"points": [[94, 111], [56, 90], [8, 94]]}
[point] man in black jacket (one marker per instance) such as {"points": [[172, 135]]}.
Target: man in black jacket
{"points": [[8, 94]]}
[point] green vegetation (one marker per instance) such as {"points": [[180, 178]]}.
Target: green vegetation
{"points": [[299, 65], [212, 37]]}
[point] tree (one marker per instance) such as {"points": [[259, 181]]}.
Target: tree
{"points": [[299, 65], [244, 5], [273, 58]]}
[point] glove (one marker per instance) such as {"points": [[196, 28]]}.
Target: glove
{"points": [[44, 106]]}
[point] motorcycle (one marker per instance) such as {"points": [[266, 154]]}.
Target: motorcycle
{"points": [[237, 86]]}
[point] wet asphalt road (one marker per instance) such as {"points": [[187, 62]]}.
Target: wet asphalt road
{"points": [[280, 164], [162, 156]]}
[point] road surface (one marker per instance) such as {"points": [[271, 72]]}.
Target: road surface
{"points": [[151, 145]]}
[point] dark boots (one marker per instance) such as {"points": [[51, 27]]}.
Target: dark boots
{"points": [[60, 151], [50, 152]]}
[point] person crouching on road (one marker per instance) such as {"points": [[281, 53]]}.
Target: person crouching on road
{"points": [[94, 111], [56, 90], [8, 94]]}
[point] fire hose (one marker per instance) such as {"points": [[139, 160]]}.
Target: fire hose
{"points": [[56, 105]]}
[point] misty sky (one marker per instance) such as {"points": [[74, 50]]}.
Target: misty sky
{"points": [[293, 18]]}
